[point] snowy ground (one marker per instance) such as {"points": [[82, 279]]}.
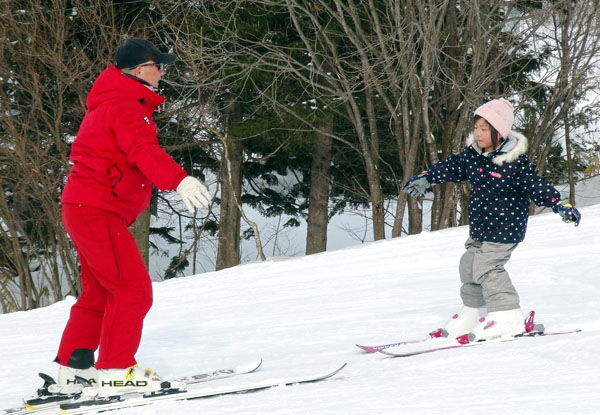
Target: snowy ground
{"points": [[305, 314]]}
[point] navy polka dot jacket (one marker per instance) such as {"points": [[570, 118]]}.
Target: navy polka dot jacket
{"points": [[502, 183]]}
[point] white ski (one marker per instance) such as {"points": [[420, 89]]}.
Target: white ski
{"points": [[40, 404], [131, 402]]}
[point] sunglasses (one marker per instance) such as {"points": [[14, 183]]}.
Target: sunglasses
{"points": [[160, 66]]}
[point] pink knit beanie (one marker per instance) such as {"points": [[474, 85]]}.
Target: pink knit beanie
{"points": [[499, 113]]}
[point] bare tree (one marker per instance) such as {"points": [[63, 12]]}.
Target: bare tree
{"points": [[43, 72], [401, 77], [212, 105], [426, 64], [50, 53], [571, 31]]}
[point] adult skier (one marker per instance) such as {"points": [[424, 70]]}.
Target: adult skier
{"points": [[116, 160]]}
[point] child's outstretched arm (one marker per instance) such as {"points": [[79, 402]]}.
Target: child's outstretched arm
{"points": [[542, 193], [449, 170]]}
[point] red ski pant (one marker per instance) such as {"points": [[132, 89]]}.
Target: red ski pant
{"points": [[116, 291]]}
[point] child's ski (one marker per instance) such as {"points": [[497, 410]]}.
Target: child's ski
{"points": [[375, 349], [447, 344], [440, 336], [125, 401]]}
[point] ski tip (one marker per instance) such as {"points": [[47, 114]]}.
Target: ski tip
{"points": [[338, 370], [367, 349], [249, 366], [329, 374]]}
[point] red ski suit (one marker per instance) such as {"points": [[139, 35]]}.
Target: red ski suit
{"points": [[117, 159]]}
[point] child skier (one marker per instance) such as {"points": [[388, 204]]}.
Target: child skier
{"points": [[502, 183]]}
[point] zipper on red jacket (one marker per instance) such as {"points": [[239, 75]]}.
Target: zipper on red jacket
{"points": [[118, 180]]}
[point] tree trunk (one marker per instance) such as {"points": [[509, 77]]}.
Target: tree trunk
{"points": [[399, 217], [228, 251], [415, 216], [569, 162], [448, 205], [407, 141], [377, 208], [318, 214], [436, 206], [141, 232]]}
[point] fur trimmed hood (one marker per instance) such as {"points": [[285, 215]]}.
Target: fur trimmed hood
{"points": [[511, 148]]}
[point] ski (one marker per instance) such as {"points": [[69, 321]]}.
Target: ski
{"points": [[448, 344], [442, 335], [375, 349], [42, 403], [122, 402], [244, 368]]}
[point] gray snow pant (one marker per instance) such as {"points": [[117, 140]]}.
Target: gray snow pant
{"points": [[485, 281]]}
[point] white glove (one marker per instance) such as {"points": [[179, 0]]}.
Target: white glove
{"points": [[193, 193]]}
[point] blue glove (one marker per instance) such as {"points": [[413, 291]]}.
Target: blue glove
{"points": [[567, 212], [417, 185]]}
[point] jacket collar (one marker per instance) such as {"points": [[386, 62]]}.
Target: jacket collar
{"points": [[111, 84], [510, 150], [141, 81]]}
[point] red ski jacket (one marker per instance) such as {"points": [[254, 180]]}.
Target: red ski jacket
{"points": [[116, 156]]}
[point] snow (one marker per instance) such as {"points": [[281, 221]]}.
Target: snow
{"points": [[304, 315]]}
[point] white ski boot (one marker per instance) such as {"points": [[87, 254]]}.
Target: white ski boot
{"points": [[499, 324], [66, 383], [113, 382], [463, 322]]}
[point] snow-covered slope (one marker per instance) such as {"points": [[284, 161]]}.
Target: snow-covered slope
{"points": [[305, 314]]}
